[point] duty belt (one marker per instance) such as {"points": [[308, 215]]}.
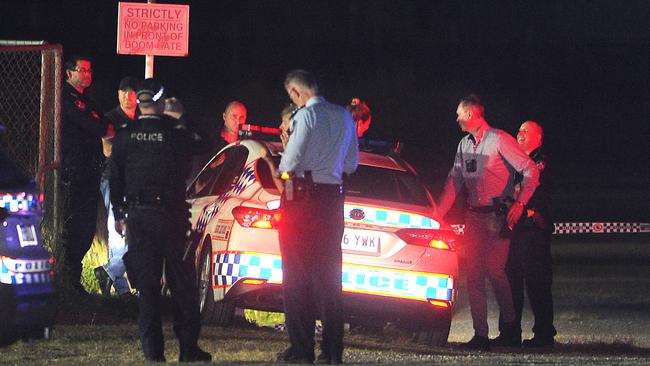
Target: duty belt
{"points": [[146, 199], [327, 188]]}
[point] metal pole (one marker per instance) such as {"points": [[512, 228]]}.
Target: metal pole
{"points": [[148, 66], [148, 59]]}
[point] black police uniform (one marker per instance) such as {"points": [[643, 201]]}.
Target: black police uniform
{"points": [[150, 160], [529, 263], [81, 150], [118, 119]]}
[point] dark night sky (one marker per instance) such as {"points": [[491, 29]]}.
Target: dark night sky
{"points": [[580, 68]]}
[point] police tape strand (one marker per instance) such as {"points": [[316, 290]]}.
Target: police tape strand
{"points": [[587, 228]]}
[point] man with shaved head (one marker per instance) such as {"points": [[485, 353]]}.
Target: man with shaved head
{"points": [[529, 262], [233, 117]]}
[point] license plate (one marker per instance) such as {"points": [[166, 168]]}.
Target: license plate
{"points": [[27, 235], [361, 241]]}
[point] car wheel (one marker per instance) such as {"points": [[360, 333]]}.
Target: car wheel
{"points": [[212, 312], [436, 332]]}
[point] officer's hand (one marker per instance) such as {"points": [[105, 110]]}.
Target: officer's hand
{"points": [[514, 213], [284, 137], [120, 227], [174, 108]]}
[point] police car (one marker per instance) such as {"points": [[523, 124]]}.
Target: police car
{"points": [[399, 262], [27, 307]]}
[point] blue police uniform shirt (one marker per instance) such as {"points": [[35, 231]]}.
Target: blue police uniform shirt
{"points": [[323, 140], [487, 170]]}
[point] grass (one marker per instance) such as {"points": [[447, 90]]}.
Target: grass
{"points": [[600, 294], [263, 318]]}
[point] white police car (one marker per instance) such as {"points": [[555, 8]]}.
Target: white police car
{"points": [[399, 264], [27, 308]]}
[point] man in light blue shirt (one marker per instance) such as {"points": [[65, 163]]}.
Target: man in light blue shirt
{"points": [[485, 165], [322, 147]]}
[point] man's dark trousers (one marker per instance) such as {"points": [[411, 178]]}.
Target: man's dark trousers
{"points": [[530, 266], [80, 222], [310, 242], [154, 235]]}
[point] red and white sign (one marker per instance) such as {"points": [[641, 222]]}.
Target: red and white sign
{"points": [[153, 29]]}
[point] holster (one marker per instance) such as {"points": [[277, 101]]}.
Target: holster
{"points": [[298, 189]]}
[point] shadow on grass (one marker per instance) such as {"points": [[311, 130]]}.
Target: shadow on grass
{"points": [[587, 349], [404, 345], [74, 308]]}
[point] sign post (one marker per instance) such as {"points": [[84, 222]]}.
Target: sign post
{"points": [[153, 30]]}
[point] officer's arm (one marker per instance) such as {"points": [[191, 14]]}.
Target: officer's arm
{"points": [[81, 115], [297, 142], [509, 149], [352, 156], [117, 181], [538, 206], [453, 184], [201, 143]]}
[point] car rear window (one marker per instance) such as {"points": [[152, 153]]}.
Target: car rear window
{"points": [[387, 185]]}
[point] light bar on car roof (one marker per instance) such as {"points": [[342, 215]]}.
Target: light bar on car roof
{"points": [[380, 146], [255, 131], [19, 202]]}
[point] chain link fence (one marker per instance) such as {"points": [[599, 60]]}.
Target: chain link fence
{"points": [[30, 111], [29, 91]]}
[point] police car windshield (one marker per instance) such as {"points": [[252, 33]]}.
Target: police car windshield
{"points": [[386, 185]]}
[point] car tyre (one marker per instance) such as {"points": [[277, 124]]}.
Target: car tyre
{"points": [[435, 333], [219, 313]]}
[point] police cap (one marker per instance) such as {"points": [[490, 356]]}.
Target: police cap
{"points": [[150, 91], [129, 83]]}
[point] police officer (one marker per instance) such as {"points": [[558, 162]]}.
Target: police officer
{"points": [[111, 274], [150, 160], [82, 128], [529, 263], [322, 146], [486, 161]]}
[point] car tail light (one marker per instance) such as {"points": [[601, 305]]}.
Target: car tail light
{"points": [[255, 217], [438, 239]]}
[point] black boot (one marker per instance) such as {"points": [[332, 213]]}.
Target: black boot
{"points": [[194, 354], [510, 336], [539, 342], [477, 343]]}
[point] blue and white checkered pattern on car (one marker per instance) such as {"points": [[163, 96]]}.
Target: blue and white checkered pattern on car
{"points": [[392, 218], [245, 180], [230, 267], [233, 266], [24, 271]]}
